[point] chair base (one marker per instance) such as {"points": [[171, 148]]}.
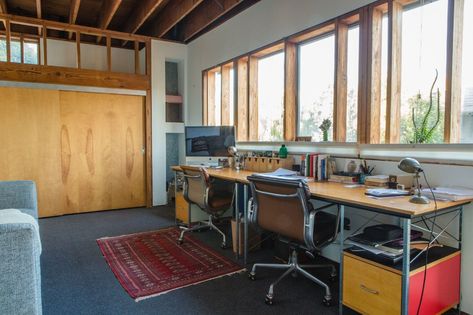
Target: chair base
{"points": [[201, 225], [293, 267]]}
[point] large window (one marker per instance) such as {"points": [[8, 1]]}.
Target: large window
{"points": [[386, 73], [424, 49], [316, 80], [29, 53], [271, 97], [467, 76], [219, 96]]}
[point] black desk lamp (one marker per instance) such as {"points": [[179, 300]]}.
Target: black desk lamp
{"points": [[412, 166]]}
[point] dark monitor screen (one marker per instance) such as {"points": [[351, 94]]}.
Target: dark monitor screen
{"points": [[209, 140]]}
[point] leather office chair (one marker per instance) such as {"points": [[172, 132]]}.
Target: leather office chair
{"points": [[211, 195], [282, 206]]}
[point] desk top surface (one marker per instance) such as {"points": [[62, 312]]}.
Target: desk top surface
{"points": [[339, 193]]}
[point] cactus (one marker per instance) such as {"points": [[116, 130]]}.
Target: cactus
{"points": [[423, 133]]}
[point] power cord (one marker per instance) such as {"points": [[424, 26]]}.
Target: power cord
{"points": [[428, 245]]}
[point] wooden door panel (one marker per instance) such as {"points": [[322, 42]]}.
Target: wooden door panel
{"points": [[102, 136], [30, 143]]}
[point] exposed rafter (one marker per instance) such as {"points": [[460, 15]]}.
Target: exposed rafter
{"points": [[141, 14], [39, 13], [3, 7], [174, 12], [109, 7], [203, 16], [73, 11]]}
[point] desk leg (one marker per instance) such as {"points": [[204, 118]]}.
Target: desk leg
{"points": [[341, 208], [460, 226], [406, 258], [237, 220], [245, 220]]}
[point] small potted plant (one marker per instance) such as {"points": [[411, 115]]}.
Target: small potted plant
{"points": [[325, 126]]}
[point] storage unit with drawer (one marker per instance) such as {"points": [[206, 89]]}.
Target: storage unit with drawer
{"points": [[373, 288]]}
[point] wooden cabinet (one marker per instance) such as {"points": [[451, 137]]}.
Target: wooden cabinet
{"points": [[373, 288]]}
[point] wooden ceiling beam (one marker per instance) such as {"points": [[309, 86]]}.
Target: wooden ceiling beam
{"points": [[140, 15], [3, 7], [172, 14], [39, 13], [73, 12], [109, 7], [203, 16]]}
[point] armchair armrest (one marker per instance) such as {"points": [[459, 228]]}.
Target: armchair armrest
{"points": [[19, 195], [20, 277]]}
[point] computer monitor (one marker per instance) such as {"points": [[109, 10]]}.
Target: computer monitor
{"points": [[209, 141]]}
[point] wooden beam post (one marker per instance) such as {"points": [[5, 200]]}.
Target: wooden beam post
{"points": [[22, 48], [225, 112], [78, 50], [73, 12], [45, 45], [8, 40], [137, 57], [393, 106], [109, 53], [242, 97], [453, 92], [363, 78], [149, 148], [253, 99], [290, 91], [340, 84], [107, 12]]}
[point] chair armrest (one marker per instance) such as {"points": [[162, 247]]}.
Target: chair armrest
{"points": [[20, 277], [19, 195]]}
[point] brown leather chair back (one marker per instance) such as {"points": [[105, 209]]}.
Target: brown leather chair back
{"points": [[281, 206], [196, 185]]}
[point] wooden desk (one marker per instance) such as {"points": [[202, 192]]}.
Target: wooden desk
{"points": [[342, 196], [353, 197]]}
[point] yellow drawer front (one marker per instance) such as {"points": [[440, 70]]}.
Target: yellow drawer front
{"points": [[369, 289]]}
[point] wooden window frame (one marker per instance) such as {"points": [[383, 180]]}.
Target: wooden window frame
{"points": [[369, 18]]}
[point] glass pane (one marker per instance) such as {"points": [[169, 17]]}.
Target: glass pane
{"points": [[218, 99], [467, 76], [30, 51], [232, 100], [384, 78], [316, 79], [424, 40], [15, 53], [352, 82], [271, 97], [3, 50]]}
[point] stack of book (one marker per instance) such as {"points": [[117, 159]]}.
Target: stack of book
{"points": [[346, 179], [384, 251], [318, 166], [377, 180]]}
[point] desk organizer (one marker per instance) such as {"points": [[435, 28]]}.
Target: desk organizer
{"points": [[267, 164]]}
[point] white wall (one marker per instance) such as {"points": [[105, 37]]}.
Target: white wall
{"points": [[271, 20], [63, 53], [160, 53]]}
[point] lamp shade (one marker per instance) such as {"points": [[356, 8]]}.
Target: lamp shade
{"points": [[410, 165]]}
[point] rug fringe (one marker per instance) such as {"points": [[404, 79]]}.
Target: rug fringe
{"points": [[188, 285], [138, 233]]}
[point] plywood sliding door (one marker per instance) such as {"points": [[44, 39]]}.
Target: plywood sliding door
{"points": [[102, 162], [84, 150], [30, 147]]}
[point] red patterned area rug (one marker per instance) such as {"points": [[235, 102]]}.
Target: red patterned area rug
{"points": [[152, 263]]}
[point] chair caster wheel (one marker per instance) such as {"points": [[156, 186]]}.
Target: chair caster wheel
{"points": [[179, 242], [294, 274], [268, 300], [252, 276], [333, 278], [327, 301], [223, 245]]}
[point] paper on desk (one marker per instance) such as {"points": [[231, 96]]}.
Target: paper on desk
{"points": [[449, 193], [283, 173]]}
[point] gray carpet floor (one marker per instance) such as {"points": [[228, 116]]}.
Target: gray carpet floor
{"points": [[77, 280]]}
